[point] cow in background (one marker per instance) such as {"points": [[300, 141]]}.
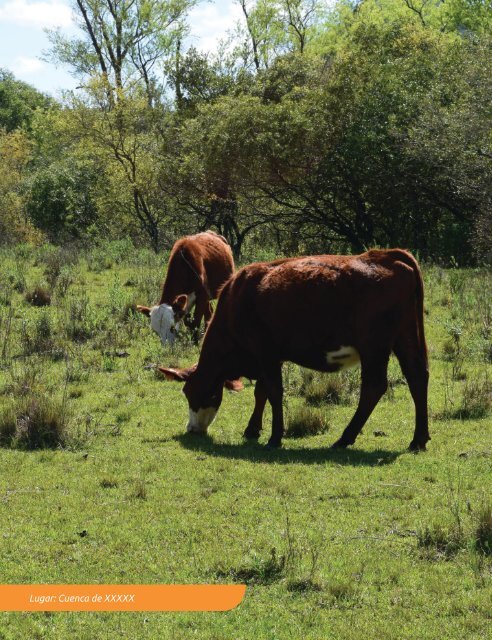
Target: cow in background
{"points": [[198, 267], [321, 312]]}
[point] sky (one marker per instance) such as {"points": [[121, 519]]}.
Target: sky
{"points": [[23, 38]]}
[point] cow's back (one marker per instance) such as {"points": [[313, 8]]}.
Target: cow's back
{"points": [[317, 303], [203, 260]]}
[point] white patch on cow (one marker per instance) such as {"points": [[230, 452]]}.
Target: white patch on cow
{"points": [[345, 357], [163, 323], [200, 420]]}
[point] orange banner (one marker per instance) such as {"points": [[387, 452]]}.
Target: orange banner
{"points": [[120, 597]]}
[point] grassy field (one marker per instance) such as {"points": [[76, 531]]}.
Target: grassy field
{"points": [[99, 483]]}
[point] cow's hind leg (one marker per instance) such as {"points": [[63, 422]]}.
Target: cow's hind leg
{"points": [[374, 382], [413, 362], [272, 385], [255, 422], [201, 310], [208, 313]]}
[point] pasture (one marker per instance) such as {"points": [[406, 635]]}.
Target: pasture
{"points": [[100, 484]]}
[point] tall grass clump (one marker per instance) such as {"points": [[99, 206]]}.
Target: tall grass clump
{"points": [[305, 421], [54, 260], [483, 529], [34, 421], [37, 337], [65, 279], [337, 388], [80, 318], [38, 296]]}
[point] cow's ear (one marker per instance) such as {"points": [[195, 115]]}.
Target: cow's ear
{"points": [[144, 310], [234, 385], [177, 375], [179, 305]]}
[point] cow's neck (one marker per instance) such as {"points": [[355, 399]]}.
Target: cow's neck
{"points": [[169, 293]]}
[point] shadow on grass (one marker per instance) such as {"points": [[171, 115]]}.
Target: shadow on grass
{"points": [[254, 452]]}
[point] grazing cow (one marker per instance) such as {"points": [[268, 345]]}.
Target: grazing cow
{"points": [[321, 312], [198, 267]]}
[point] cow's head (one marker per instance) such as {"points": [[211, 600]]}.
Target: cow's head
{"points": [[204, 395], [165, 318]]}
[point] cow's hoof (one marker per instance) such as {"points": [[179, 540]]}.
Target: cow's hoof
{"points": [[251, 435], [340, 444], [416, 446], [273, 444]]}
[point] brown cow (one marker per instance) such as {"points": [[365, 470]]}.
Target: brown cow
{"points": [[198, 266], [321, 312]]}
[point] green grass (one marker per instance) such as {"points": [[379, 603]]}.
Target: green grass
{"points": [[368, 542]]}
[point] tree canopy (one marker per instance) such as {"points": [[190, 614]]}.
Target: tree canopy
{"points": [[321, 129]]}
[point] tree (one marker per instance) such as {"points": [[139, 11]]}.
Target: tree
{"points": [[15, 153], [18, 102], [123, 41]]}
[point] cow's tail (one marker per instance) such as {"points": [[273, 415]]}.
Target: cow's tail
{"points": [[407, 258]]}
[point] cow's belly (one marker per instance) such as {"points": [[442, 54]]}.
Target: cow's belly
{"points": [[332, 359]]}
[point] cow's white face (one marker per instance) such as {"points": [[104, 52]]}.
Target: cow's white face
{"points": [[200, 420], [163, 322]]}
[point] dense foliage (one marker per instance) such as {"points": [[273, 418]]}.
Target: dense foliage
{"points": [[316, 129]]}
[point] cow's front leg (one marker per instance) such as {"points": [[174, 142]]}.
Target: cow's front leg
{"points": [[256, 421], [373, 385], [272, 380]]}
